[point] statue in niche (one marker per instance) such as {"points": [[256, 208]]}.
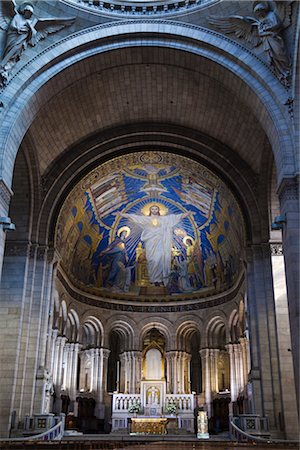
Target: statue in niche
{"points": [[23, 29], [264, 29], [153, 396]]}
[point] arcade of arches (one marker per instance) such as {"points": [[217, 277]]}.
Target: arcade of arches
{"points": [[144, 158]]}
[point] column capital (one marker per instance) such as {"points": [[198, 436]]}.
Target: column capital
{"points": [[105, 352], [204, 352], [5, 196], [61, 340], [229, 347], [276, 249], [288, 189], [17, 248], [171, 354]]}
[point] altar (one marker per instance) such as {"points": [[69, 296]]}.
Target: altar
{"points": [[148, 425], [151, 398]]}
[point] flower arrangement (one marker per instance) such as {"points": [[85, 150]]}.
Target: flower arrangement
{"points": [[134, 408], [171, 408]]}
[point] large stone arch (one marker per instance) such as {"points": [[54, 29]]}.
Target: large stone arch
{"points": [[25, 94]]}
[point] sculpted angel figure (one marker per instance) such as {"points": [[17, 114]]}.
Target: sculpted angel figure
{"points": [[263, 29], [23, 29]]}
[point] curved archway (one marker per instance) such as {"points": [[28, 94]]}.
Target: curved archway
{"points": [[12, 140]]}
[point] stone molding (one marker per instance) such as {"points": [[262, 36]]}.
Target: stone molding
{"points": [[276, 249], [289, 189], [135, 305], [139, 8], [104, 26], [17, 248], [5, 194]]}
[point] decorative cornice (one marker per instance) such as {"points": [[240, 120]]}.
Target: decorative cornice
{"points": [[17, 248], [160, 307], [129, 21], [289, 189], [276, 249], [5, 194], [138, 8]]}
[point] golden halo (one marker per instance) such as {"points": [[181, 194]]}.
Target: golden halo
{"points": [[186, 238], [162, 208], [127, 229]]}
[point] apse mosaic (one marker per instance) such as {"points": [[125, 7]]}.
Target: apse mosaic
{"points": [[149, 223]]}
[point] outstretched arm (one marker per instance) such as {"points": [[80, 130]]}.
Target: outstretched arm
{"points": [[187, 214]]}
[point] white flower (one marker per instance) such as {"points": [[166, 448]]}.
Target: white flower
{"points": [[134, 408], [171, 408]]}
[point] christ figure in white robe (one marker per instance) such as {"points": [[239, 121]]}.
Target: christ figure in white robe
{"points": [[157, 236]]}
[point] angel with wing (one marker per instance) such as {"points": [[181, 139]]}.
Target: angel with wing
{"points": [[263, 29], [23, 29]]}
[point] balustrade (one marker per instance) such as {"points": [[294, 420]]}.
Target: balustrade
{"points": [[122, 402]]}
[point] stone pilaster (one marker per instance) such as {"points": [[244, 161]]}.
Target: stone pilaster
{"points": [[233, 382], [206, 377], [58, 362], [288, 193], [244, 355], [169, 363], [5, 197], [136, 371], [26, 290], [284, 343], [214, 358], [105, 356], [187, 387], [263, 336]]}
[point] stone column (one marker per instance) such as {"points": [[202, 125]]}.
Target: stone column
{"points": [[95, 369], [74, 370], [206, 377], [100, 387], [58, 362], [25, 294], [238, 367], [105, 354], [126, 372], [169, 359], [136, 372], [233, 384], [266, 390], [122, 373], [181, 364], [284, 343], [51, 352], [5, 197], [176, 374], [188, 358], [244, 352], [214, 358], [288, 193]]}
